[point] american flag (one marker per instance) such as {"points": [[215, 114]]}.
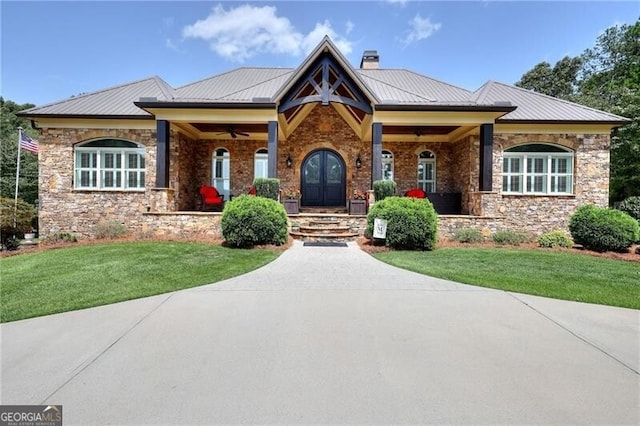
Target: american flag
{"points": [[27, 143]]}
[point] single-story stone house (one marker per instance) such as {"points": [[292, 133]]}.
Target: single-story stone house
{"points": [[501, 156]]}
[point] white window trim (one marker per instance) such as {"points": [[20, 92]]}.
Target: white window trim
{"points": [[548, 174], [388, 161], [224, 180], [260, 157], [99, 152], [422, 183]]}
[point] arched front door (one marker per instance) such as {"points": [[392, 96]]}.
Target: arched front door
{"points": [[323, 179]]}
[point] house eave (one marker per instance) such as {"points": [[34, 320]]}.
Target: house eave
{"points": [[453, 108], [205, 105], [613, 123], [87, 116]]}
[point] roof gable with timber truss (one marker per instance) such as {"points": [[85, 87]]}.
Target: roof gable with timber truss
{"points": [[325, 78]]}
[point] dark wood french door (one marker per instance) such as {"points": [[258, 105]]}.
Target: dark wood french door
{"points": [[323, 179]]}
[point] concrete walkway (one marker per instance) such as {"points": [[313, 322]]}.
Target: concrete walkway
{"points": [[331, 336]]}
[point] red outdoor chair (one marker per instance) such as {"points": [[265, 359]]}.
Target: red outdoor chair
{"points": [[415, 193], [211, 199]]}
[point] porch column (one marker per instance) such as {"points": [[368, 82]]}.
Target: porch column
{"points": [[272, 149], [162, 153], [376, 152], [486, 157]]}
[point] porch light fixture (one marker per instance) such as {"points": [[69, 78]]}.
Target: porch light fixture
{"points": [[289, 161], [358, 162]]}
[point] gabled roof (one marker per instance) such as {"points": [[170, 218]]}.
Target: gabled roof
{"points": [[325, 46], [537, 107], [112, 102]]}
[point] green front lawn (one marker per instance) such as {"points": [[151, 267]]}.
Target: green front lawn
{"points": [[47, 282], [560, 275]]}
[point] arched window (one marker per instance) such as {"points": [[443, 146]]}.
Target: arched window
{"points": [[537, 169], [109, 164], [260, 164], [220, 172], [427, 171], [387, 165]]}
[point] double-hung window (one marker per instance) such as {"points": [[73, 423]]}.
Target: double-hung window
{"points": [[427, 171], [387, 165], [260, 164], [221, 172], [109, 164], [537, 169]]}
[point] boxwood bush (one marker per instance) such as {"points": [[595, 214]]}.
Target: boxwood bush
{"points": [[509, 237], [555, 239], [411, 223], [468, 235], [383, 189], [248, 221], [267, 187], [631, 206], [602, 229]]}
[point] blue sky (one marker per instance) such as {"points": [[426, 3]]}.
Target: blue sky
{"points": [[53, 50]]}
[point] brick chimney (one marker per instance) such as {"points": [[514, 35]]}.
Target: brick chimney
{"points": [[370, 60]]}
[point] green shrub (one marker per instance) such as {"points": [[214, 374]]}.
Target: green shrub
{"points": [[61, 237], [468, 235], [109, 229], [555, 239], [411, 223], [248, 221], [267, 187], [631, 206], [10, 232], [602, 229], [383, 189], [509, 237]]}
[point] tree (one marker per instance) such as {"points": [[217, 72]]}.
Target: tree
{"points": [[605, 77], [28, 184], [559, 81]]}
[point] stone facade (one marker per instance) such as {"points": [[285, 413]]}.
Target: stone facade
{"points": [[64, 209]]}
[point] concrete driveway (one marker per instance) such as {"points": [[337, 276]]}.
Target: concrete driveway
{"points": [[332, 336]]}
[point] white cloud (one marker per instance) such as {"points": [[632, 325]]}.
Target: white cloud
{"points": [[399, 2], [170, 44], [348, 27], [420, 29], [245, 31]]}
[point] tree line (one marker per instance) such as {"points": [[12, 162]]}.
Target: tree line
{"points": [[605, 77]]}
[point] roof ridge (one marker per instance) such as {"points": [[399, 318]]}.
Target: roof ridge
{"points": [[401, 89], [480, 94], [435, 79], [255, 85], [575, 104], [85, 95], [229, 72], [164, 87]]}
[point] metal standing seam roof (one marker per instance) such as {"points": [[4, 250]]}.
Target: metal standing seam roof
{"points": [[533, 106], [114, 101], [390, 86]]}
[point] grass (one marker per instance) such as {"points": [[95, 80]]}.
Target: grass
{"points": [[555, 274], [47, 282]]}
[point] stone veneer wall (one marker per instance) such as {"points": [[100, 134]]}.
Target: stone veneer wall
{"points": [[539, 214], [63, 209]]}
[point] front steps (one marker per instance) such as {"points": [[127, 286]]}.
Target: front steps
{"points": [[328, 229]]}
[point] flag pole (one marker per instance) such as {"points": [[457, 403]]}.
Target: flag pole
{"points": [[15, 201]]}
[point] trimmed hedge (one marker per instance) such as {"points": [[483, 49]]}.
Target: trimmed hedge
{"points": [[555, 239], [602, 229], [412, 223], [631, 206], [383, 189], [509, 237], [248, 221], [468, 235], [267, 187]]}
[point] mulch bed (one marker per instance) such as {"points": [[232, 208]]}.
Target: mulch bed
{"points": [[629, 255]]}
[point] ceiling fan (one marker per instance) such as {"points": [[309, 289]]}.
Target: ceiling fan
{"points": [[234, 133]]}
